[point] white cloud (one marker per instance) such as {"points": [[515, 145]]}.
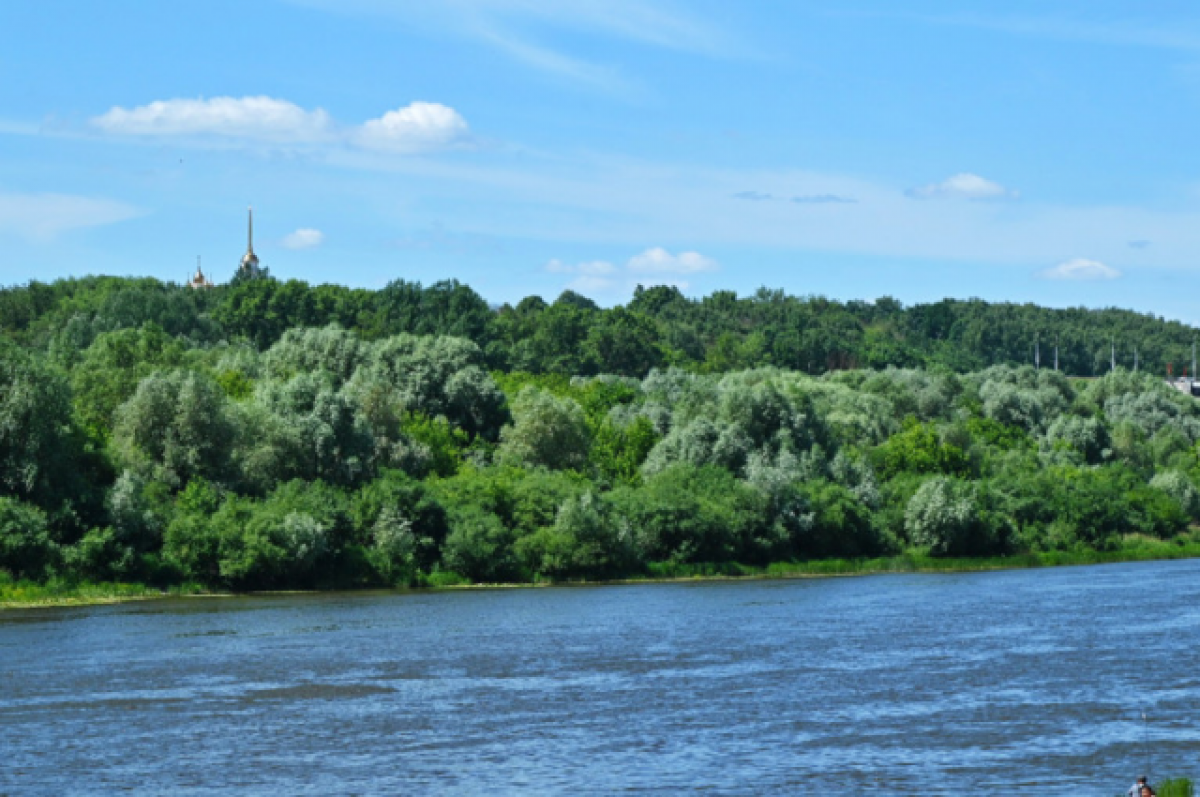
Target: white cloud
{"points": [[655, 266], [586, 283], [608, 201], [963, 186], [419, 127], [591, 268], [41, 217], [595, 276], [303, 238], [414, 128], [659, 261], [1080, 269], [256, 118]]}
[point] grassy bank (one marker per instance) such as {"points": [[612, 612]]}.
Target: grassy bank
{"points": [[28, 594], [1180, 787], [1134, 549]]}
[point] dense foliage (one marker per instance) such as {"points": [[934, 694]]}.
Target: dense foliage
{"points": [[271, 434]]}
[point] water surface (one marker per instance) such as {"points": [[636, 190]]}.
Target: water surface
{"points": [[930, 684]]}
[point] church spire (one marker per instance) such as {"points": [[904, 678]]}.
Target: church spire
{"points": [[249, 265], [198, 279]]}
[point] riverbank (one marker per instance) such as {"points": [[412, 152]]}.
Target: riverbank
{"points": [[30, 595], [1136, 549], [27, 594]]}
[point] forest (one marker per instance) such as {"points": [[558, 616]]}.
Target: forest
{"points": [[270, 434]]}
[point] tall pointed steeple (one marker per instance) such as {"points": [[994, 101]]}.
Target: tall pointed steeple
{"points": [[249, 264]]}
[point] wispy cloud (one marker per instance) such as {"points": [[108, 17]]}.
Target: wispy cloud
{"points": [[521, 29], [824, 199], [1139, 244], [1080, 270], [1129, 32], [963, 186], [303, 238], [804, 199], [661, 24], [753, 196], [43, 217], [600, 76], [438, 239], [414, 128]]}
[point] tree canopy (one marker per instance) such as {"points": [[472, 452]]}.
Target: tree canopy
{"points": [[271, 434]]}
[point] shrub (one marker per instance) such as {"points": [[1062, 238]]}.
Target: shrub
{"points": [[26, 550], [393, 499], [841, 524], [946, 516], [586, 541], [689, 514], [1180, 488], [480, 547]]}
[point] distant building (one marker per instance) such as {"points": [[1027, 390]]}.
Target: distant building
{"points": [[248, 268], [1185, 385], [198, 279]]}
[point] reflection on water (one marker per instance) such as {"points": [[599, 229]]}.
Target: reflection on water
{"points": [[976, 683]]}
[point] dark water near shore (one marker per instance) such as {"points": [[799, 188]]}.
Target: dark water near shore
{"points": [[962, 684]]}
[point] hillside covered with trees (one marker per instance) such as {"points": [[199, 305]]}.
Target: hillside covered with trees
{"points": [[270, 434]]}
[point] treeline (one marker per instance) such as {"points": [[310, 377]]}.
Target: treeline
{"points": [[151, 433], [658, 328]]}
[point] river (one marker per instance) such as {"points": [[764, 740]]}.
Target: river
{"points": [[985, 683]]}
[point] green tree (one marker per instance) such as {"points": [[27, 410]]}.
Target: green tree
{"points": [[841, 524], [26, 549], [480, 547], [176, 426], [947, 517], [618, 452], [1181, 489], [303, 429], [546, 431], [35, 419], [690, 514], [394, 500], [622, 343], [918, 449], [586, 541]]}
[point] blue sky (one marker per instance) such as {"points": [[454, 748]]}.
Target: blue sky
{"points": [[1024, 151]]}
